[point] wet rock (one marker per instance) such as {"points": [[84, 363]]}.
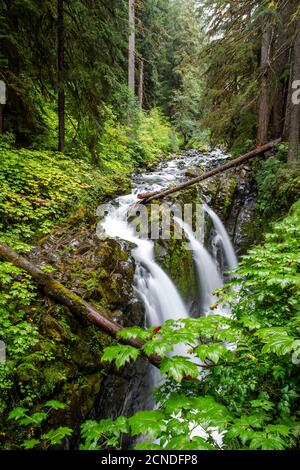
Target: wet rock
{"points": [[101, 272], [232, 195], [191, 173]]}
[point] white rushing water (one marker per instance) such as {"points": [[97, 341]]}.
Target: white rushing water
{"points": [[161, 299], [229, 252], [154, 287], [156, 290], [209, 279]]}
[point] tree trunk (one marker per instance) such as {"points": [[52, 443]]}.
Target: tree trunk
{"points": [[280, 93], [131, 47], [64, 296], [60, 75], [287, 116], [141, 83], [282, 53], [295, 106], [278, 109], [148, 197], [264, 112]]}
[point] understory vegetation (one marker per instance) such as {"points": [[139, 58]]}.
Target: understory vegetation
{"points": [[40, 189], [78, 119], [238, 385]]}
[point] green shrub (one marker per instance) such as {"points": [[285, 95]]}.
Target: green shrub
{"points": [[36, 189], [278, 186], [251, 391]]}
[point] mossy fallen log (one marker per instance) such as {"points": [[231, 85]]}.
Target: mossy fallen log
{"points": [[74, 302]]}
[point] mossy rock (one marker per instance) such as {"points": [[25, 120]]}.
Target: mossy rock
{"points": [[177, 260], [66, 362]]}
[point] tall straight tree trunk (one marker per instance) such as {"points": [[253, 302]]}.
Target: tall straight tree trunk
{"points": [[278, 109], [264, 111], [282, 49], [295, 107], [60, 74], [141, 82], [131, 47], [287, 116], [281, 91]]}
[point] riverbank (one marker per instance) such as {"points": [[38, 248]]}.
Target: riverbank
{"points": [[47, 205], [56, 356]]}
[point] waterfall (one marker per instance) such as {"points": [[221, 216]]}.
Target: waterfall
{"points": [[153, 286], [161, 299], [209, 278], [228, 249], [156, 290]]}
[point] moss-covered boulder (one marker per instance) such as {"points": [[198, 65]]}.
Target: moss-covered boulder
{"points": [[65, 362]]}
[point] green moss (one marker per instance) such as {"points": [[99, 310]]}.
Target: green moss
{"points": [[177, 260], [222, 190], [65, 362]]}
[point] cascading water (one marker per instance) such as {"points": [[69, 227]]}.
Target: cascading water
{"points": [[160, 297], [153, 286], [209, 278], [223, 237], [157, 292]]}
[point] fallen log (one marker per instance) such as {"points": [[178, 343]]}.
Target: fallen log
{"points": [[148, 197], [74, 302]]}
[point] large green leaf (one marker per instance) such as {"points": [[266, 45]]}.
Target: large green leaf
{"points": [[55, 436], [158, 346], [277, 340], [17, 413], [134, 332], [207, 412], [56, 405], [36, 419], [178, 367], [92, 431], [214, 352], [265, 441], [30, 443], [148, 423], [121, 354], [176, 403]]}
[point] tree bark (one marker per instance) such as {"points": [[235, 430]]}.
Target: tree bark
{"points": [[278, 109], [287, 114], [148, 197], [264, 112], [131, 47], [282, 48], [295, 107], [141, 83], [64, 296], [60, 74]]}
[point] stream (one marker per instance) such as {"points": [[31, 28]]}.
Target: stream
{"points": [[160, 298], [156, 290]]}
